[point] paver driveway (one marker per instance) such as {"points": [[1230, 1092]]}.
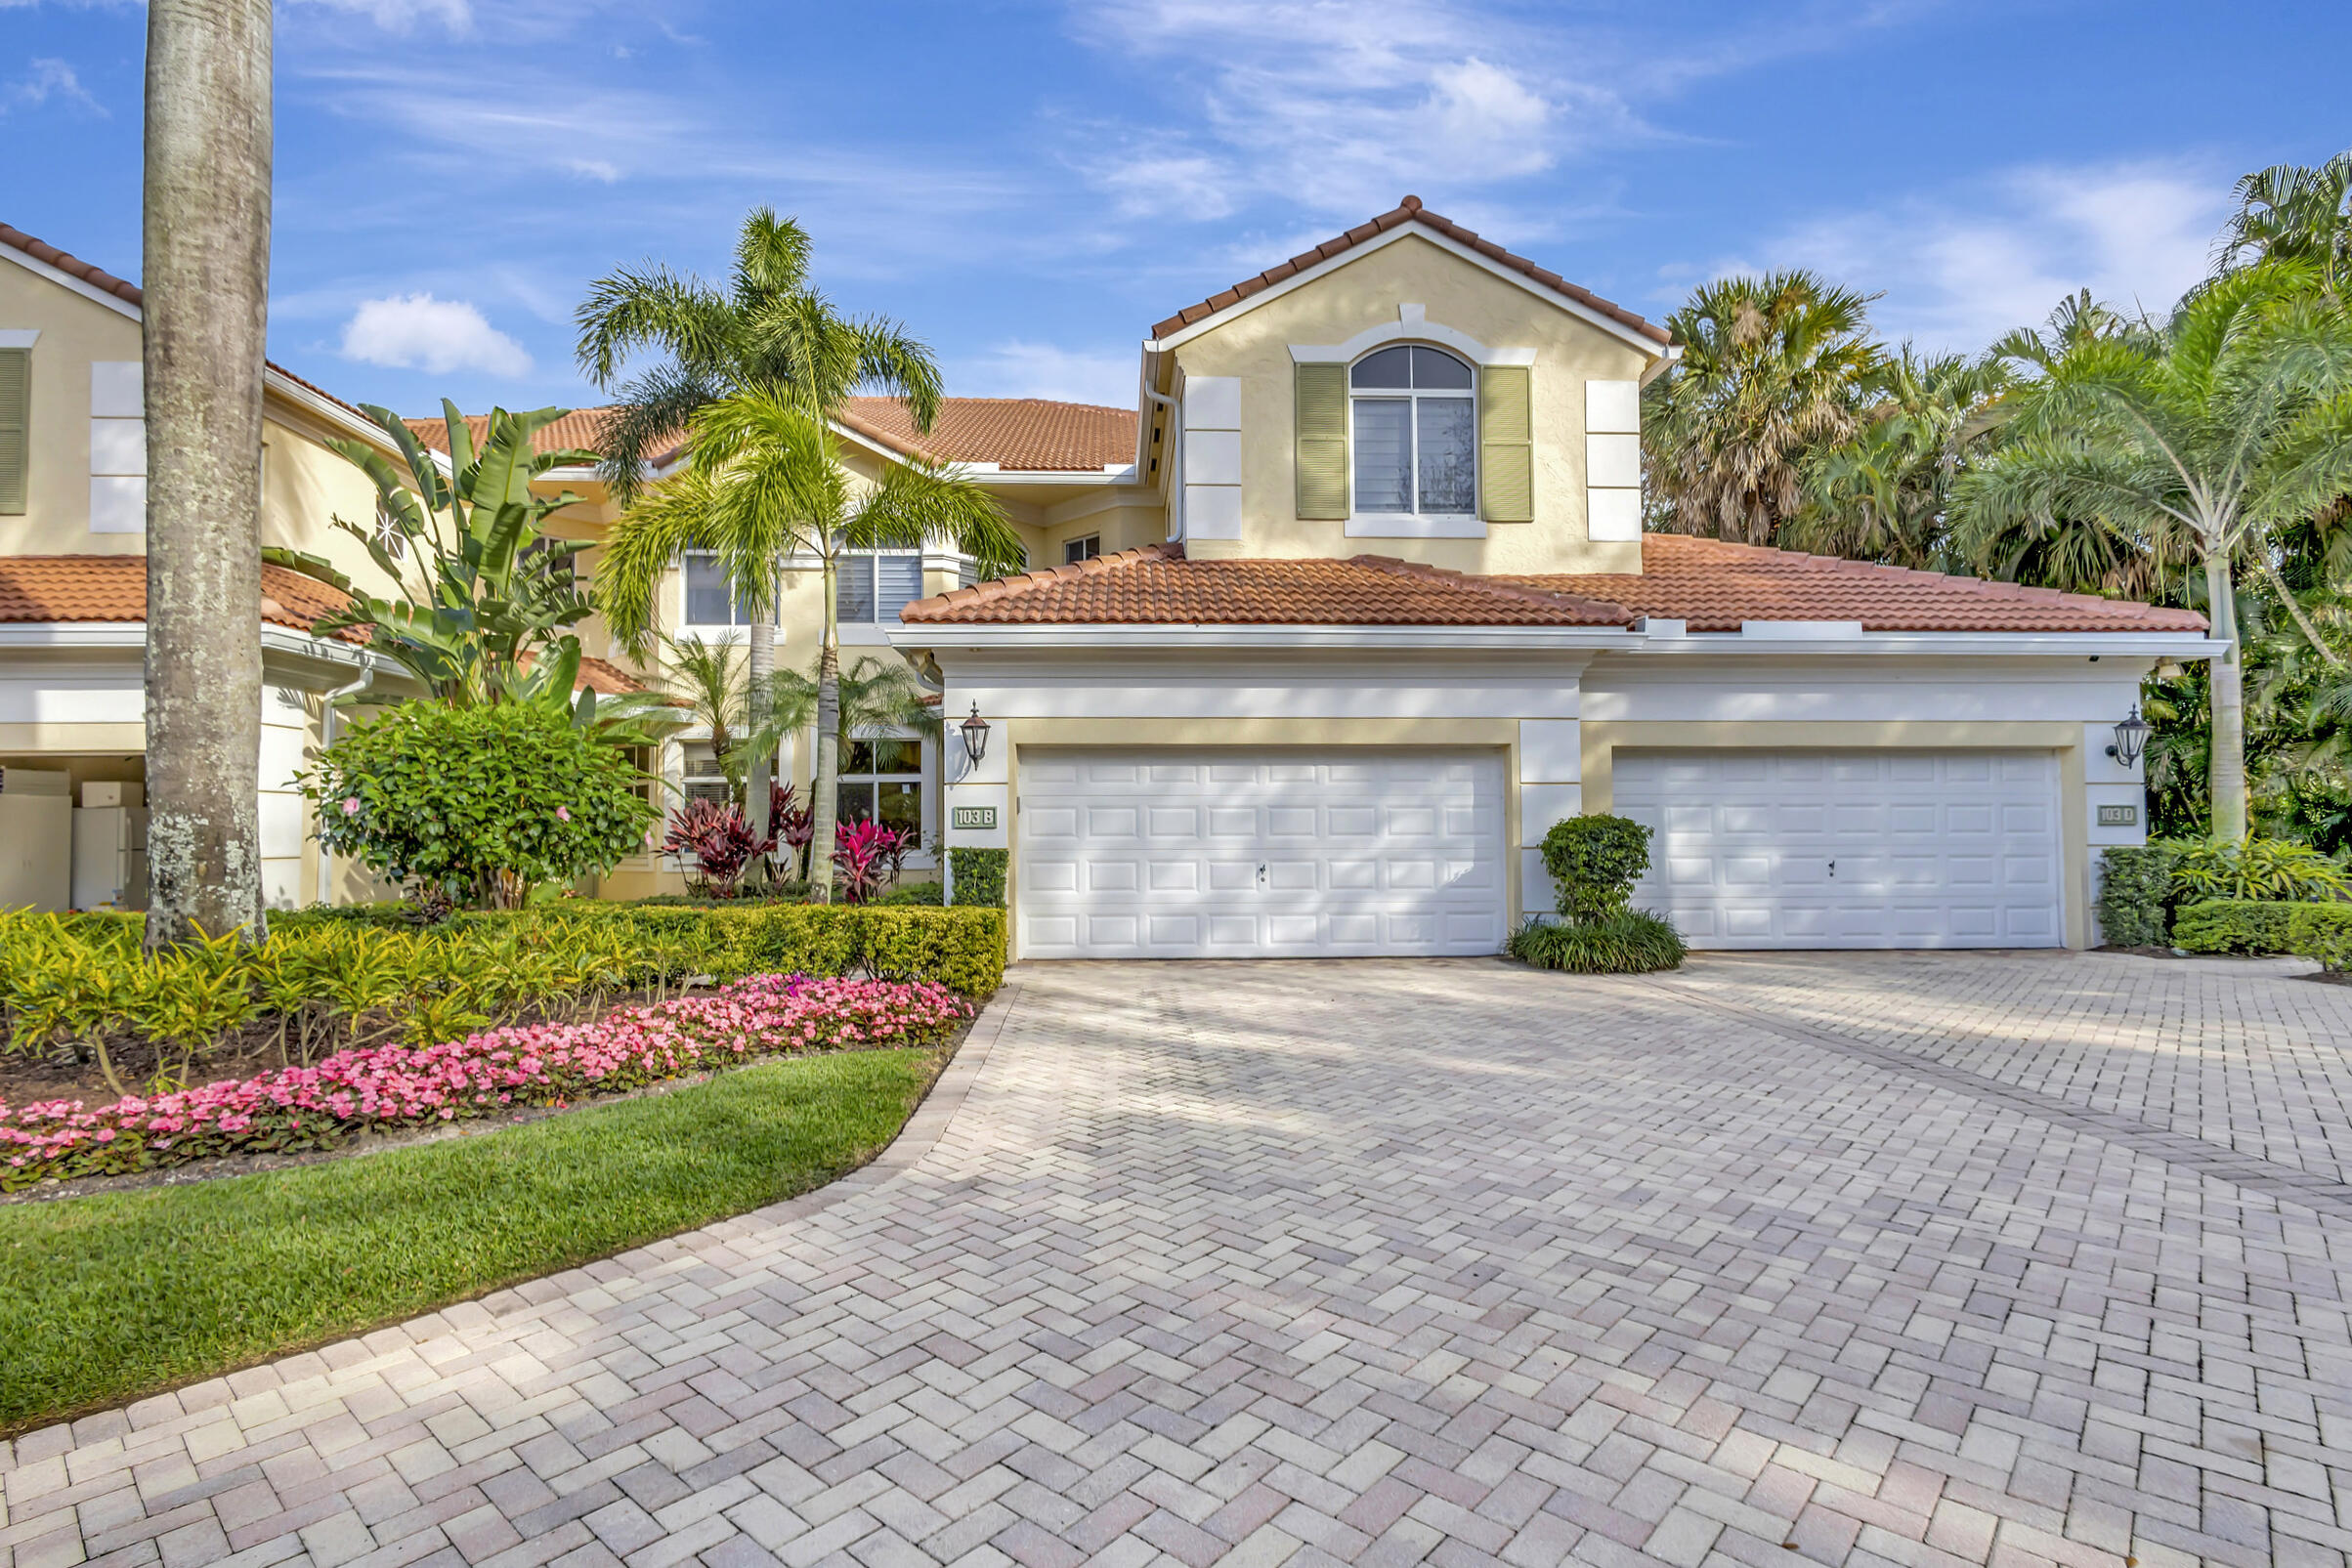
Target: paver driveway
{"points": [[1919, 1259]]}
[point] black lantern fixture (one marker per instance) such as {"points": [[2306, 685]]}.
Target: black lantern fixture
{"points": [[975, 737], [2131, 736]]}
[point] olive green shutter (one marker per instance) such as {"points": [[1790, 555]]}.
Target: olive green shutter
{"points": [[15, 413], [1506, 446], [1322, 457]]}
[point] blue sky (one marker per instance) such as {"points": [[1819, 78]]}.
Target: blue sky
{"points": [[1030, 186]]}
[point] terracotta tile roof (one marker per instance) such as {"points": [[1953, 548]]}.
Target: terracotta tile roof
{"points": [[1031, 434], [583, 428], [1028, 434], [607, 679], [129, 293], [1715, 586], [114, 588], [1410, 211], [1159, 586]]}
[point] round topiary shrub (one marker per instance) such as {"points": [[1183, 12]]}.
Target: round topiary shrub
{"points": [[1595, 862], [1628, 942], [479, 803]]}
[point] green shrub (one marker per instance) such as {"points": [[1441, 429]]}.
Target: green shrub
{"points": [[979, 875], [2135, 895], [2269, 868], [2322, 931], [2234, 925], [481, 803], [1594, 861], [1625, 942], [915, 895]]}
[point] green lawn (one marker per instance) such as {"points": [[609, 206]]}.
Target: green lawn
{"points": [[106, 1299]]}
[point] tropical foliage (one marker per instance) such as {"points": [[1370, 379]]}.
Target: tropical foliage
{"points": [[2199, 457]]}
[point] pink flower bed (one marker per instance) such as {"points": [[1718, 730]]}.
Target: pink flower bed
{"points": [[401, 1087]]}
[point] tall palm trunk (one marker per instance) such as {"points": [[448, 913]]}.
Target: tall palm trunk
{"points": [[2225, 781], [827, 783], [206, 273], [759, 669]]}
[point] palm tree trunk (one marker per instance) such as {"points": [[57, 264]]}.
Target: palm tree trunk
{"points": [[2227, 781], [760, 667], [206, 271], [827, 785]]}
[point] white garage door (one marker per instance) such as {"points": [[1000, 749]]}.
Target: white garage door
{"points": [[1222, 854], [1849, 848]]}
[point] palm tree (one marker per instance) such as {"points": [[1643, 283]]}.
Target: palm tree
{"points": [[206, 272], [708, 679], [2292, 212], [874, 695], [766, 480], [2235, 418], [1773, 368], [767, 332], [1884, 494]]}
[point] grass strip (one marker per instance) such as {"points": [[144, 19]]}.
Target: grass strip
{"points": [[106, 1299]]}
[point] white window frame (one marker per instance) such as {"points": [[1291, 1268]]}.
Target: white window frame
{"points": [[928, 756], [708, 630], [1079, 544], [1416, 523], [875, 629]]}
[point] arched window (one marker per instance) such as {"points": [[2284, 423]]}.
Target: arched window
{"points": [[1415, 433]]}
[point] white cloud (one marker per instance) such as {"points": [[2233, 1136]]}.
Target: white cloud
{"points": [[1018, 369], [418, 332], [1962, 266], [44, 80], [402, 16]]}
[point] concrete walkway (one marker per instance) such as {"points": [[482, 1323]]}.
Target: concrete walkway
{"points": [[1917, 1260]]}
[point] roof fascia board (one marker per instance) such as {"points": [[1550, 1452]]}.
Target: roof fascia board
{"points": [[969, 634], [334, 413], [1976, 643], [1650, 347], [66, 281]]}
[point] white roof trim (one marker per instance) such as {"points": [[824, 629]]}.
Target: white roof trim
{"points": [[66, 281], [1655, 350], [1869, 645]]}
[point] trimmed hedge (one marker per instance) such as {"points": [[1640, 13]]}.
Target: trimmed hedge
{"points": [[962, 949], [2135, 895], [979, 875], [2322, 931]]}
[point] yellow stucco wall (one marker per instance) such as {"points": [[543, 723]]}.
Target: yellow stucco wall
{"points": [[74, 331], [1364, 293]]}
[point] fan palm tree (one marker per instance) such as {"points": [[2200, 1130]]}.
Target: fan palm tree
{"points": [[766, 480], [2235, 418], [767, 331], [1884, 494], [1773, 368], [205, 223]]}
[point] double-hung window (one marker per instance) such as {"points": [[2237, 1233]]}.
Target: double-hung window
{"points": [[874, 585], [710, 598], [703, 777], [881, 780], [1416, 434]]}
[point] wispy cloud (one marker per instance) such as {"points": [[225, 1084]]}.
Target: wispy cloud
{"points": [[403, 16], [418, 332], [46, 81], [1020, 368], [1961, 265]]}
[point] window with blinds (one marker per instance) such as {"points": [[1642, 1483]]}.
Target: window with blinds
{"points": [[874, 587]]}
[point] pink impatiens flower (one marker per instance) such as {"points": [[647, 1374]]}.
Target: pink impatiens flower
{"points": [[562, 813], [350, 805]]}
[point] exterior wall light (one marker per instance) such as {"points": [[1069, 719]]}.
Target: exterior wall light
{"points": [[2132, 736], [975, 736]]}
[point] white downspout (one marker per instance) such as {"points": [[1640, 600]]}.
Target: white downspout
{"points": [[1176, 459]]}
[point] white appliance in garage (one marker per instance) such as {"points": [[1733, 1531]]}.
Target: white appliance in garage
{"points": [[1849, 848], [1201, 854], [36, 838], [109, 856]]}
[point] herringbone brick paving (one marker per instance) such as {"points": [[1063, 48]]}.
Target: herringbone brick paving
{"points": [[1960, 1259]]}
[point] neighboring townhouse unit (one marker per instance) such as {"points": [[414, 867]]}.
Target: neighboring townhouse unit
{"points": [[1404, 618]]}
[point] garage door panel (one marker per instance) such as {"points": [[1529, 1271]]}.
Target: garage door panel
{"points": [[1291, 854], [1895, 849]]}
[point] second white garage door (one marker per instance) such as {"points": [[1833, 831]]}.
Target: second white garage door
{"points": [[1849, 848], [1218, 854]]}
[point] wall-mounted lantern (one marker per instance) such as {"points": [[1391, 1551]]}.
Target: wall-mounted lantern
{"points": [[975, 737], [2131, 737]]}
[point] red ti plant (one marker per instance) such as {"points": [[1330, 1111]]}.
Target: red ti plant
{"points": [[716, 834], [794, 826], [864, 853]]}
